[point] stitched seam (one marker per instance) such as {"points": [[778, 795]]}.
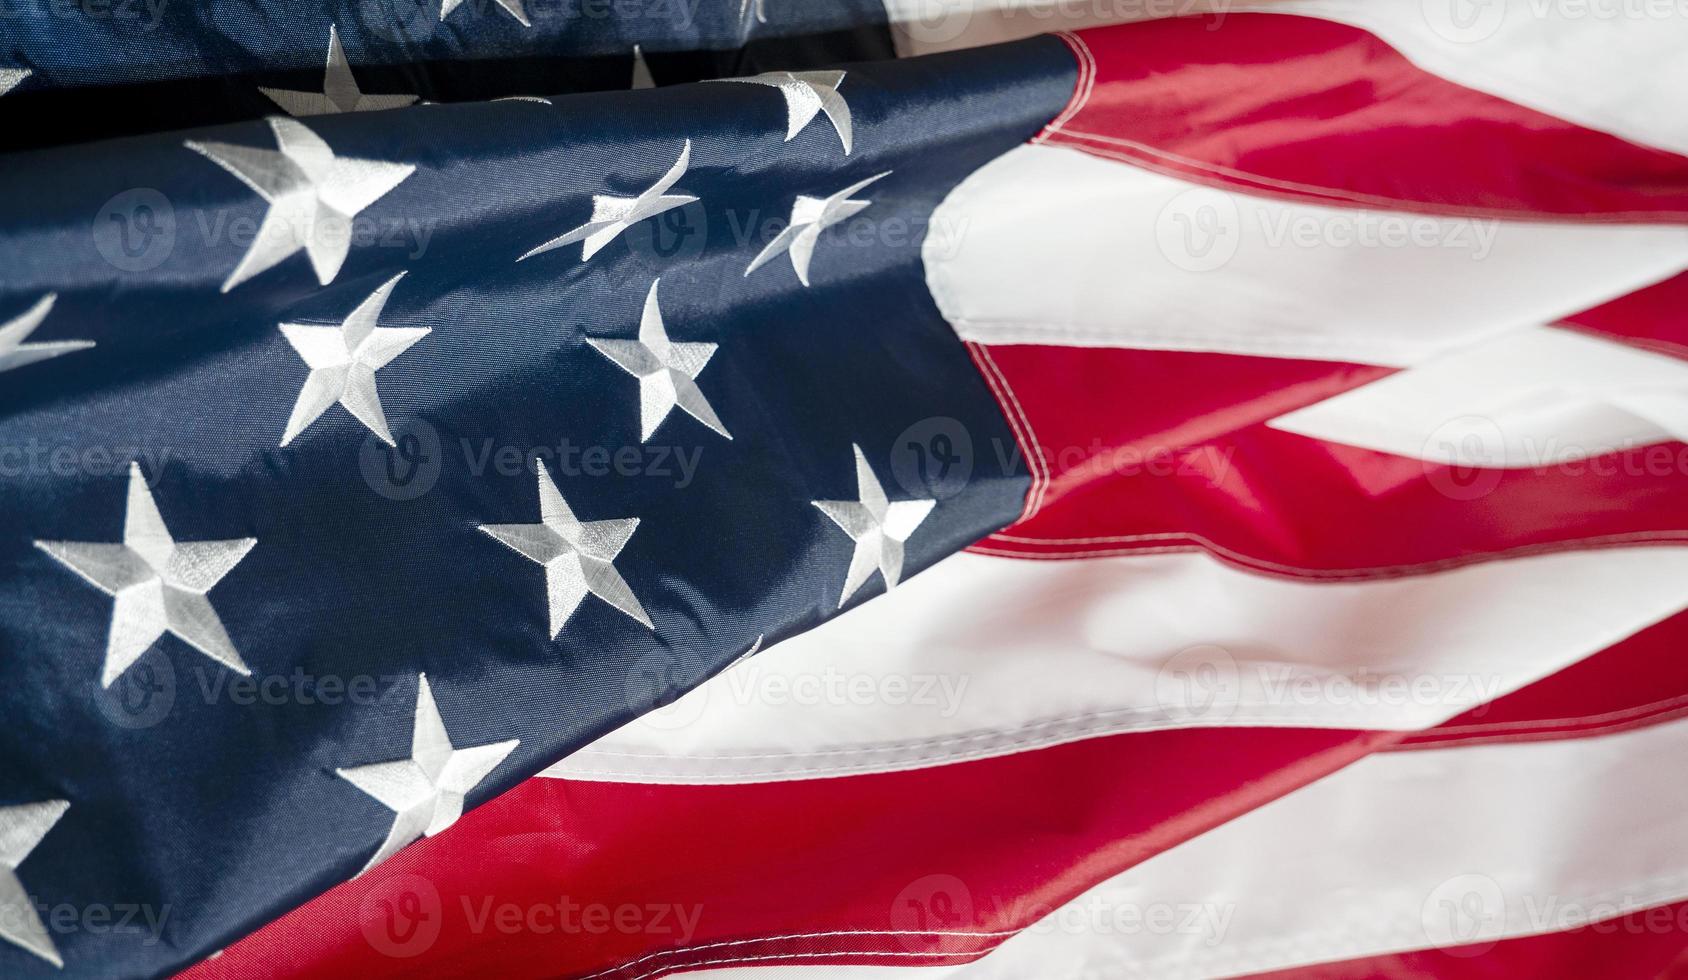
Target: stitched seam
{"points": [[1248, 958], [1034, 454], [1198, 543], [1007, 744], [1657, 346], [1095, 722], [1027, 447], [1546, 735], [795, 935], [1082, 85], [1637, 711], [789, 956]]}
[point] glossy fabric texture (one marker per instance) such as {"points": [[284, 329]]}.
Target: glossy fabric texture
{"points": [[191, 792]]}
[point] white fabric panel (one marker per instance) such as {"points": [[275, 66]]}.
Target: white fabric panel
{"points": [[1055, 246], [1528, 398], [1610, 65], [1400, 851], [929, 26], [984, 656]]}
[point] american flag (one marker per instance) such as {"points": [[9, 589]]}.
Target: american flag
{"points": [[863, 490]]}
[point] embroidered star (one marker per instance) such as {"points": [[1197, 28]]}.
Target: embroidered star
{"points": [[878, 527], [511, 7], [426, 790], [313, 197], [758, 7], [343, 360], [159, 584], [21, 829], [809, 217], [339, 93], [613, 215], [667, 371], [578, 555], [14, 353], [11, 78], [808, 93]]}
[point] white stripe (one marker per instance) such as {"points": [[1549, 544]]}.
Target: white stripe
{"points": [[1610, 65], [985, 656], [1400, 851], [1537, 397], [1056, 246]]}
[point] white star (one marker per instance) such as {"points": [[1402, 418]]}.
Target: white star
{"points": [[21, 828], [511, 7], [14, 353], [578, 555], [343, 360], [641, 71], [339, 93], [877, 526], [159, 584], [11, 78], [426, 790], [809, 217], [808, 93], [756, 6], [313, 197], [667, 371], [612, 215]]}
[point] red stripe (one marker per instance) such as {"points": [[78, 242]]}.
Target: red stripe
{"points": [[1150, 450], [980, 847], [1653, 318], [1320, 111], [1641, 681], [997, 842], [780, 869]]}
